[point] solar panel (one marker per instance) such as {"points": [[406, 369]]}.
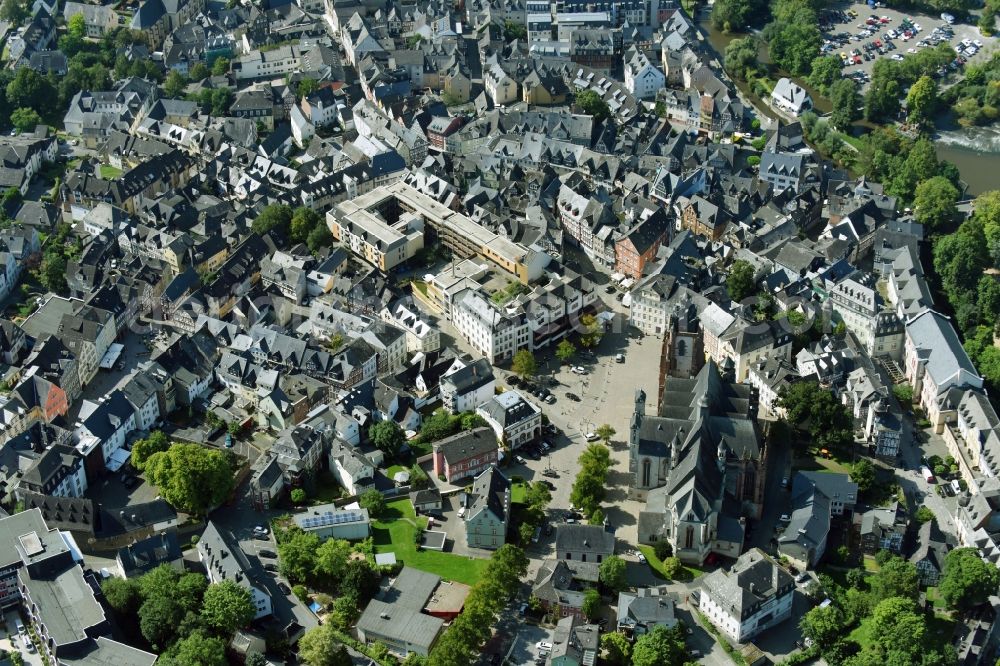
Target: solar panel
{"points": [[328, 518]]}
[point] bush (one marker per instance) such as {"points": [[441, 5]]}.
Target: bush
{"points": [[924, 515], [301, 593], [663, 549], [298, 496]]}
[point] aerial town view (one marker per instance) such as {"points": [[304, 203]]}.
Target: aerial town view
{"points": [[499, 332]]}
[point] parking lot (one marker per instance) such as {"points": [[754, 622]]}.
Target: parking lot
{"points": [[860, 35]]}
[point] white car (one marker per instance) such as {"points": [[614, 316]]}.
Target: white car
{"points": [[592, 436], [461, 512], [642, 558], [579, 370], [543, 646], [978, 43], [896, 56]]}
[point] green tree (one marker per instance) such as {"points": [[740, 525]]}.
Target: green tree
{"points": [[387, 436], [741, 58], [592, 104], [826, 70], [304, 220], [52, 273], [565, 351], [198, 649], [297, 555], [735, 15], [345, 612], [662, 549], [524, 364], [660, 647], [968, 580], [174, 84], [924, 515], [25, 119], [220, 67], [612, 573], [591, 331], [227, 606], [122, 594], [793, 36], [896, 578], [897, 631], [191, 477], [618, 648], [298, 496], [158, 618], [512, 31], [591, 603], [319, 647], [374, 501], [142, 449], [882, 99], [846, 102], [816, 409], [922, 100], [934, 201], [307, 87], [255, 659], [199, 72], [863, 474], [319, 238], [331, 559], [605, 432], [824, 625], [14, 11], [741, 282], [275, 216], [672, 567]]}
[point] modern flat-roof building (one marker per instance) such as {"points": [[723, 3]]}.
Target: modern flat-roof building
{"points": [[390, 204]]}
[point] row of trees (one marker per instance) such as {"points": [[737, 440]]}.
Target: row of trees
{"points": [[962, 261], [886, 602], [536, 498], [460, 644], [181, 615], [591, 481]]}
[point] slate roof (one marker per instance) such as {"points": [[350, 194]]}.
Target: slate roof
{"points": [[468, 444], [490, 492], [754, 579]]}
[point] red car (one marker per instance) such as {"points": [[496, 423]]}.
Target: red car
{"points": [[857, 60]]}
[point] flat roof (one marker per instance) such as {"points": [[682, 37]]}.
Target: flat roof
{"points": [[449, 597]]}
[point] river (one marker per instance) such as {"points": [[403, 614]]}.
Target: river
{"points": [[975, 151]]}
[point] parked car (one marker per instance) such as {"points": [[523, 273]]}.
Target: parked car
{"points": [[640, 556], [573, 396], [549, 399], [519, 460], [551, 473], [592, 437], [284, 588], [259, 529], [271, 566], [264, 552]]}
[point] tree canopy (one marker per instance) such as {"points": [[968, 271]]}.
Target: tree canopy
{"points": [[191, 477], [968, 579], [592, 104], [227, 606], [741, 280], [387, 436], [524, 364], [660, 647]]}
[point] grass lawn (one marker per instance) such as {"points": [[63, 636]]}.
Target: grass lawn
{"points": [[517, 492], [396, 468], [687, 573], [820, 464], [394, 533], [109, 172], [935, 598], [871, 566]]}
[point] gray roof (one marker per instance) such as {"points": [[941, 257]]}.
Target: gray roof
{"points": [[646, 607], [577, 538], [66, 605], [396, 611], [490, 492], [941, 350], [509, 408], [145, 555], [27, 522], [467, 444], [476, 374], [106, 652], [754, 579]]}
